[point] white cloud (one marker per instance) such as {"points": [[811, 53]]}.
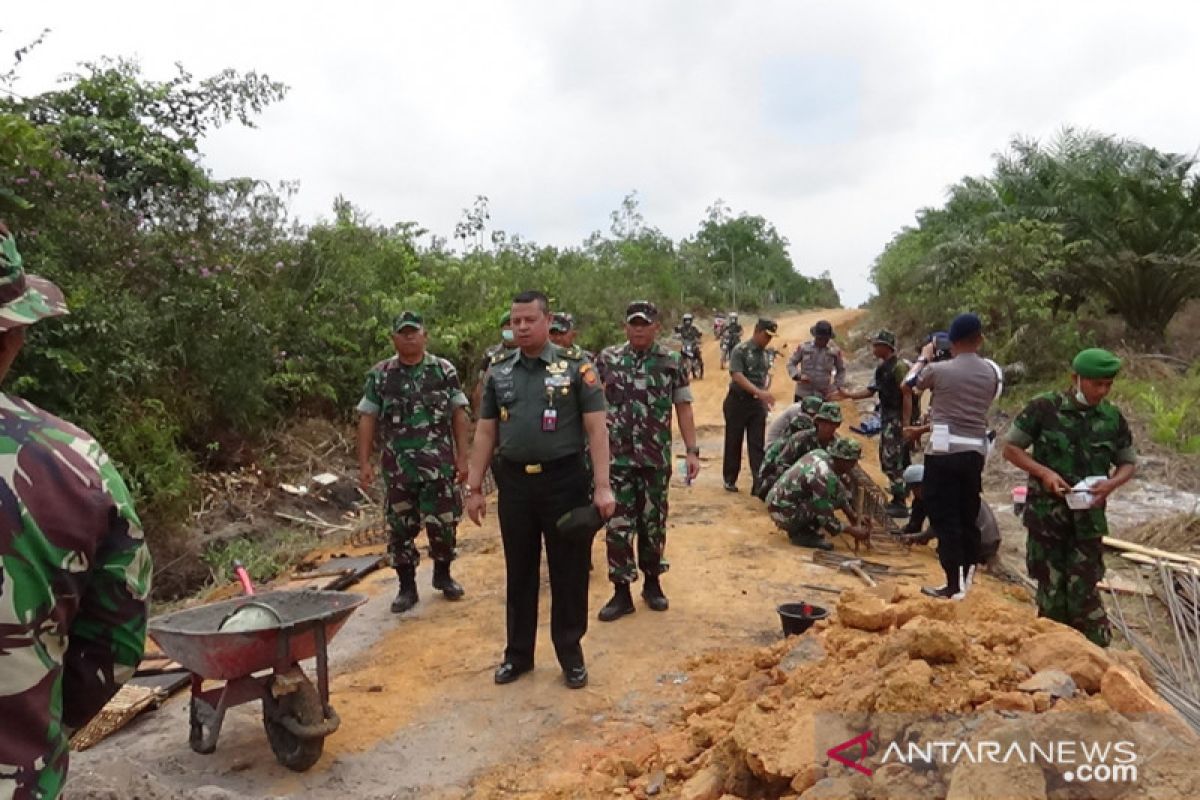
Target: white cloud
{"points": [[836, 121]]}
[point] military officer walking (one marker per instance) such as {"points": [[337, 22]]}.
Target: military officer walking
{"points": [[415, 400], [817, 366], [539, 404], [803, 501], [893, 447], [74, 568], [1075, 434], [747, 403], [642, 382]]}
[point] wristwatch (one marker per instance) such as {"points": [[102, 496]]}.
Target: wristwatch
{"points": [[693, 451]]}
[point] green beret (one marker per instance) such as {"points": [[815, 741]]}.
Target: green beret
{"points": [[1096, 363]]}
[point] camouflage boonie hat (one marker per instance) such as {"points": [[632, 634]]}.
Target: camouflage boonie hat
{"points": [[561, 322], [845, 449], [24, 298], [811, 405], [830, 412], [407, 319], [885, 337]]}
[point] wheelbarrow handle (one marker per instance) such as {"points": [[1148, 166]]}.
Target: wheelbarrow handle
{"points": [[243, 577]]}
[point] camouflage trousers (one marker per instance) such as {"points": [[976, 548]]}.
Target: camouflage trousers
{"points": [[1065, 555], [800, 521], [894, 454], [641, 513], [416, 497]]}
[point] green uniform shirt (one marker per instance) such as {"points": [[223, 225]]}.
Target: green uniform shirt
{"points": [[415, 404], [750, 360], [1074, 440], [519, 389], [641, 389]]}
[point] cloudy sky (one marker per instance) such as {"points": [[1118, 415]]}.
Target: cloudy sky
{"points": [[834, 120]]}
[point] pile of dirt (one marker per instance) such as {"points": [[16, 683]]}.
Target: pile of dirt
{"points": [[901, 668]]}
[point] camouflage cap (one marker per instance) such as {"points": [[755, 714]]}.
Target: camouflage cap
{"points": [[830, 412], [561, 322], [811, 404], [24, 298], [407, 319], [845, 449], [768, 325], [641, 309], [885, 337]]}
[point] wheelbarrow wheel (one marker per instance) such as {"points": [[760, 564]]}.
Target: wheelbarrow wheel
{"points": [[303, 705]]}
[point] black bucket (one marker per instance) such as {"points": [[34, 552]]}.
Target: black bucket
{"points": [[799, 617]]}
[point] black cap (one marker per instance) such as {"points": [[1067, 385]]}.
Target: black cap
{"points": [[822, 328], [641, 309], [764, 324], [965, 326]]}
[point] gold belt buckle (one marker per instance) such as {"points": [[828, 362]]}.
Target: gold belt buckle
{"points": [[533, 469]]}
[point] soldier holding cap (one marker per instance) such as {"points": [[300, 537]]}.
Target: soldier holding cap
{"points": [[803, 501], [747, 403], [1075, 435], [643, 381], [819, 434], [893, 449], [74, 568], [817, 366], [539, 404], [416, 401]]}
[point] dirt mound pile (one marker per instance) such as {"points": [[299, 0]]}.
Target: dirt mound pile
{"points": [[969, 687]]}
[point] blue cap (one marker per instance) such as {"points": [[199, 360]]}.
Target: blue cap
{"points": [[965, 326]]}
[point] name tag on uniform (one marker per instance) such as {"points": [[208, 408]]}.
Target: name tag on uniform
{"points": [[550, 420]]}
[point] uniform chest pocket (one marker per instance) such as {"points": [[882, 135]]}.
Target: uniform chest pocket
{"points": [[506, 390]]}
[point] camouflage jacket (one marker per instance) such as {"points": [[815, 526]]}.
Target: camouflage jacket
{"points": [[810, 485], [74, 578], [689, 333], [800, 439], [811, 367], [1074, 440], [415, 406], [641, 390]]}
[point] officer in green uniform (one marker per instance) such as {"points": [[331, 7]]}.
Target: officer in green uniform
{"points": [[747, 403], [540, 402], [1075, 434], [416, 399]]}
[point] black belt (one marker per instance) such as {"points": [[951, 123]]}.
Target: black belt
{"points": [[738, 393], [540, 467]]}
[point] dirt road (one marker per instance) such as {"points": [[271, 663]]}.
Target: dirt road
{"points": [[420, 714]]}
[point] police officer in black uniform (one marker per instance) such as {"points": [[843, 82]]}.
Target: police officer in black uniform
{"points": [[540, 403], [747, 403]]}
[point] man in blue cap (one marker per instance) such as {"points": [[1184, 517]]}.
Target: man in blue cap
{"points": [[963, 390], [1076, 435]]}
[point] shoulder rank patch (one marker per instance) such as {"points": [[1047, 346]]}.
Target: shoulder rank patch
{"points": [[574, 352], [587, 373]]}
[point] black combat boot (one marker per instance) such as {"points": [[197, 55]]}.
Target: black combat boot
{"points": [[652, 593], [451, 589], [407, 597], [620, 604], [898, 508]]}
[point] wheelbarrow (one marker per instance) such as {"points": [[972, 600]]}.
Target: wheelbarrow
{"points": [[296, 715]]}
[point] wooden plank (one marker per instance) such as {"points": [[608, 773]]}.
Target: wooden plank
{"points": [[1152, 552], [1119, 584], [130, 701]]}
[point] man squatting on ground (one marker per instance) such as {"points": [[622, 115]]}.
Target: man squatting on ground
{"points": [[643, 381], [1075, 434], [539, 403], [415, 401], [963, 389]]}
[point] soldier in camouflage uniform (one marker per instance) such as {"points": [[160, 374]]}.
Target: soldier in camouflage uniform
{"points": [[894, 451], [1075, 434], [643, 381], [814, 362], [817, 434], [803, 501], [780, 426], [74, 568], [420, 403]]}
